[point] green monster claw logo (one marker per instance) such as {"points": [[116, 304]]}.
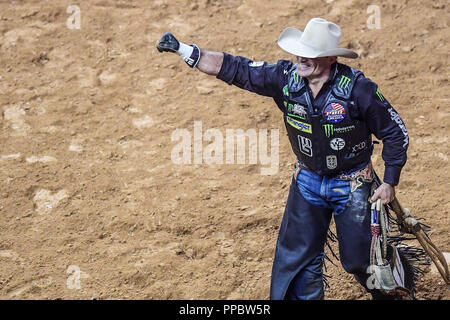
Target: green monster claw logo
{"points": [[379, 96], [328, 130], [286, 90], [344, 82], [296, 78]]}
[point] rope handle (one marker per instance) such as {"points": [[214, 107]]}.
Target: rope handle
{"points": [[408, 224]]}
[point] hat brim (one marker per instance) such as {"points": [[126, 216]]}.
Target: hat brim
{"points": [[289, 41]]}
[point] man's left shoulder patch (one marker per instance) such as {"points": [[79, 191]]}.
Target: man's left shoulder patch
{"points": [[256, 64]]}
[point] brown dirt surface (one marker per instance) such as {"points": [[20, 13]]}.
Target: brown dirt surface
{"points": [[89, 190]]}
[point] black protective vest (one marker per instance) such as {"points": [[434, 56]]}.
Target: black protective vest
{"points": [[330, 140]]}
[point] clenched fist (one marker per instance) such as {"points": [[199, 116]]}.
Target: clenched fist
{"points": [[190, 54], [168, 43]]}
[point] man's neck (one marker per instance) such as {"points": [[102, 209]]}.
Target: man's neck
{"points": [[316, 82]]}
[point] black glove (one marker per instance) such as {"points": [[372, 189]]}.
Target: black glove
{"points": [[168, 43], [190, 54]]}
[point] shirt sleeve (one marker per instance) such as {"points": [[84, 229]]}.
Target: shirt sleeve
{"points": [[385, 123], [263, 78]]}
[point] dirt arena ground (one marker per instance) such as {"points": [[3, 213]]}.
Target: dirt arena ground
{"points": [[91, 204]]}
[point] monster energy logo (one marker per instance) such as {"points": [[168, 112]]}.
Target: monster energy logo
{"points": [[295, 76], [344, 82], [379, 96], [286, 90], [328, 130]]}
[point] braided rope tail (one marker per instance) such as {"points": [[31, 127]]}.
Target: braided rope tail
{"points": [[408, 224]]}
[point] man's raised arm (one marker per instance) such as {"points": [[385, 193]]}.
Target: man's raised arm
{"points": [[206, 61]]}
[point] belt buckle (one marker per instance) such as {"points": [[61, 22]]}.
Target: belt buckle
{"points": [[356, 174]]}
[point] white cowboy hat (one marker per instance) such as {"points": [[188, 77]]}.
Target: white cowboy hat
{"points": [[319, 39]]}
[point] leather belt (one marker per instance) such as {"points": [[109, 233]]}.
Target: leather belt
{"points": [[366, 173]]}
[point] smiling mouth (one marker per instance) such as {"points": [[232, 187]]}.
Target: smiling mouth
{"points": [[305, 66]]}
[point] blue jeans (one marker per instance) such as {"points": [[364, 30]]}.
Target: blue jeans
{"points": [[322, 191], [297, 269]]}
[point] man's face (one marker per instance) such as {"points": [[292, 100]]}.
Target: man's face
{"points": [[313, 67]]}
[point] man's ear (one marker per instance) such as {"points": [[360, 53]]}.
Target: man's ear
{"points": [[332, 60]]}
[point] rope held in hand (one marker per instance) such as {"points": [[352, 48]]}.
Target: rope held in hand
{"points": [[408, 224], [411, 225]]}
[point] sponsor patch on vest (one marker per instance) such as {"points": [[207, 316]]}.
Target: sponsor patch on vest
{"points": [[305, 145], [334, 113], [359, 146], [331, 162], [337, 144], [295, 110], [330, 129], [356, 150], [344, 82], [305, 127], [344, 129], [299, 109]]}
